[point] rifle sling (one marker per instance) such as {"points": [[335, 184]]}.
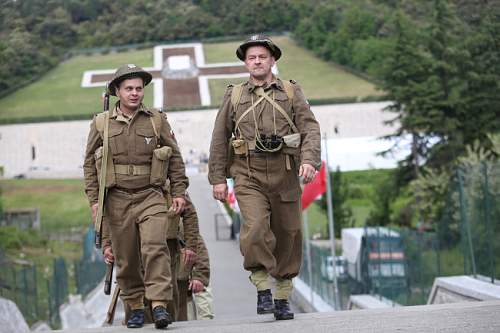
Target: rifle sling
{"points": [[102, 178]]}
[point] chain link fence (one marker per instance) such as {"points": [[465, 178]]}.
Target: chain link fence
{"points": [[39, 292], [90, 269], [399, 265], [37, 295]]}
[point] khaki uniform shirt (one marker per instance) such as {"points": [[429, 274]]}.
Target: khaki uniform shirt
{"points": [[189, 224], [132, 141], [201, 268], [297, 109]]}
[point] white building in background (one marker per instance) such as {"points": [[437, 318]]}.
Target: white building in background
{"points": [[57, 149]]}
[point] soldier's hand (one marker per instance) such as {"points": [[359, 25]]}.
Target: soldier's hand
{"points": [[189, 257], [307, 172], [108, 255], [196, 286], [178, 205], [220, 192], [94, 211]]}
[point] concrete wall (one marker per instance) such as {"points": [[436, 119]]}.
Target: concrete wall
{"points": [[454, 289], [56, 149]]}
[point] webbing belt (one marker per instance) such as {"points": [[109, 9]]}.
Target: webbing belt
{"points": [[132, 170]]}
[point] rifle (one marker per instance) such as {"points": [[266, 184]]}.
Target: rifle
{"points": [[102, 176], [110, 315], [108, 280]]}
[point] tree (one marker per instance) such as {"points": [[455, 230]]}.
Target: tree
{"points": [[482, 78], [404, 78]]}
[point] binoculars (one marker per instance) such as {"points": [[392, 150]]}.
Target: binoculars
{"points": [[267, 143]]}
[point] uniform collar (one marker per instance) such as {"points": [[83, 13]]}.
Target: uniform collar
{"points": [[142, 108], [275, 82]]}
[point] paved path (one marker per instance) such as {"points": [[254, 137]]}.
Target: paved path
{"points": [[234, 296], [457, 318]]}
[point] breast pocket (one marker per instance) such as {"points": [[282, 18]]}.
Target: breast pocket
{"points": [[246, 123], [145, 141], [117, 141]]}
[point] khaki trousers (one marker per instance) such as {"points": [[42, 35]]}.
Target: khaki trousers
{"points": [[201, 305], [183, 286], [269, 199], [173, 306], [194, 306], [138, 225]]}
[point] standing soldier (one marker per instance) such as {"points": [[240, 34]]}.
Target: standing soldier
{"points": [[142, 155], [273, 139]]}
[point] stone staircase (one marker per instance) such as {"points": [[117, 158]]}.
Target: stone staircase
{"points": [[455, 317]]}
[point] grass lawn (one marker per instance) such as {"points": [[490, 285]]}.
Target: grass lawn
{"points": [[63, 210], [59, 92], [318, 78], [62, 203]]}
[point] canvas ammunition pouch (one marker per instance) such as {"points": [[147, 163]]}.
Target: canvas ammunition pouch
{"points": [[292, 140], [240, 146], [159, 165]]}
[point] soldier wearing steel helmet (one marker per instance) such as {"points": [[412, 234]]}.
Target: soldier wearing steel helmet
{"points": [[142, 156], [266, 138]]}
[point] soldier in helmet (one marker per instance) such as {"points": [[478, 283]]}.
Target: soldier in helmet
{"points": [[142, 156], [274, 141]]}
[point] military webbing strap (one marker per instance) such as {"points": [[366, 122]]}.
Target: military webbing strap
{"points": [[156, 122], [283, 112], [257, 102], [238, 90], [236, 94], [102, 177], [288, 89]]}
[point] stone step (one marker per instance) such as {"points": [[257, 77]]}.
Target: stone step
{"points": [[455, 317]]}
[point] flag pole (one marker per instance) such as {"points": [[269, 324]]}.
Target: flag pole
{"points": [[331, 223], [308, 253]]}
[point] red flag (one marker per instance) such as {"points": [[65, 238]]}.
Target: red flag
{"points": [[315, 188]]}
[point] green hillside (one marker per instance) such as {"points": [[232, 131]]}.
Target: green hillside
{"points": [[58, 93], [319, 79]]}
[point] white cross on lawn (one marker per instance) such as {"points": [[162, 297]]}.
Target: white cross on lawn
{"points": [[180, 75]]}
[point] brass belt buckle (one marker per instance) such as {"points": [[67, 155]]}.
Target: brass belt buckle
{"points": [[130, 170]]}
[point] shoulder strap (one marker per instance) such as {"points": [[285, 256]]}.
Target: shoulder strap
{"points": [[156, 122], [102, 176], [236, 94], [290, 92], [99, 123]]}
